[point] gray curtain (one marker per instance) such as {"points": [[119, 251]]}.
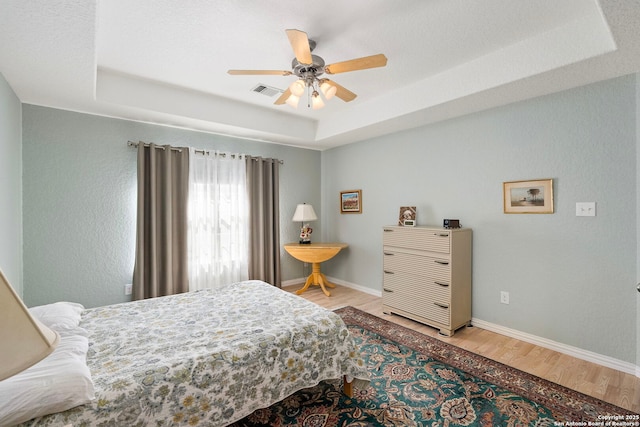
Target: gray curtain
{"points": [[161, 239], [264, 218]]}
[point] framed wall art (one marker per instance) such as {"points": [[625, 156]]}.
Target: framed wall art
{"points": [[535, 196], [351, 201]]}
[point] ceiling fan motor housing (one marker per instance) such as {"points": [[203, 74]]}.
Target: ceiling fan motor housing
{"points": [[316, 68]]}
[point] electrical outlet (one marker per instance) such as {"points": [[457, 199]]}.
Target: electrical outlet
{"points": [[504, 297], [128, 289]]}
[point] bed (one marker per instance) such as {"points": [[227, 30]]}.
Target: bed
{"points": [[204, 358]]}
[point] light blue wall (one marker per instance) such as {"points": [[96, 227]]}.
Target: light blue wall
{"points": [[10, 185], [79, 200], [571, 279]]}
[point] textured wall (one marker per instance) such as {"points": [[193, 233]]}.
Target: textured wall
{"points": [[10, 185], [571, 279], [80, 194]]}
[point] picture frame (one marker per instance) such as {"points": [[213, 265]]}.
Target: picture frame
{"points": [[528, 197], [351, 201], [407, 216]]}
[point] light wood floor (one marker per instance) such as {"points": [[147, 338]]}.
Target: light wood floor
{"points": [[598, 381]]}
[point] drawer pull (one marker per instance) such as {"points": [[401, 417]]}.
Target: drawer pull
{"points": [[387, 230], [442, 284], [441, 305], [388, 290], [388, 254], [388, 272], [441, 234], [442, 262]]}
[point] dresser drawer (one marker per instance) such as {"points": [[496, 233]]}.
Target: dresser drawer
{"points": [[417, 238], [428, 306], [412, 285], [435, 268]]}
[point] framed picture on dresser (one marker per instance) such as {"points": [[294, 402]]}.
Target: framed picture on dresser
{"points": [[407, 216]]}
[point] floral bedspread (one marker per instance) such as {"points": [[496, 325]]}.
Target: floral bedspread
{"points": [[207, 358]]}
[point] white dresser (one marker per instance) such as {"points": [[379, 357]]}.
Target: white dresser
{"points": [[427, 275]]}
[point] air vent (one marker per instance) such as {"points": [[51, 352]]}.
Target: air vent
{"points": [[267, 90]]}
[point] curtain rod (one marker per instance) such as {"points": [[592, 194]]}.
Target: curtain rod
{"points": [[203, 152]]}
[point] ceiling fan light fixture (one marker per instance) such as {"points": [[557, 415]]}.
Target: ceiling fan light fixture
{"points": [[316, 101], [293, 101], [309, 68], [328, 90], [297, 88]]}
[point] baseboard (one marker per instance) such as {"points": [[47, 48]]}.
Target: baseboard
{"points": [[292, 282], [300, 281], [356, 287], [589, 356], [576, 352]]}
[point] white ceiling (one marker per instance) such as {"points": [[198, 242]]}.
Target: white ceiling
{"points": [[166, 61]]}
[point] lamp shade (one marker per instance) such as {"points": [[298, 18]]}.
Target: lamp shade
{"points": [[24, 340], [297, 88], [328, 90], [316, 102], [293, 100], [304, 213]]}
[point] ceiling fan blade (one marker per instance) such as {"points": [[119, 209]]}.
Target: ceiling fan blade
{"points": [[300, 44], [259, 72], [345, 94], [283, 98], [363, 63]]}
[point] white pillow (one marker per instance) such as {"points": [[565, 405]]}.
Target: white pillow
{"points": [[61, 315], [59, 382]]}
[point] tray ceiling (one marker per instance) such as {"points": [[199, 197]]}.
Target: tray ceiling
{"points": [[166, 62]]}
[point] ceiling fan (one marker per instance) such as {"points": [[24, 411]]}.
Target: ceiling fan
{"points": [[308, 68]]}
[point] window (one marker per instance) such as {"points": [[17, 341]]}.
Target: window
{"points": [[218, 220]]}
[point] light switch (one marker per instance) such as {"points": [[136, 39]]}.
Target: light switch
{"points": [[585, 208]]}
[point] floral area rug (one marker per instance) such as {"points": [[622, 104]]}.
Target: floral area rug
{"points": [[420, 381]]}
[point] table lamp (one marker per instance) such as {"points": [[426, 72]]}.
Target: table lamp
{"points": [[23, 339], [303, 214]]}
